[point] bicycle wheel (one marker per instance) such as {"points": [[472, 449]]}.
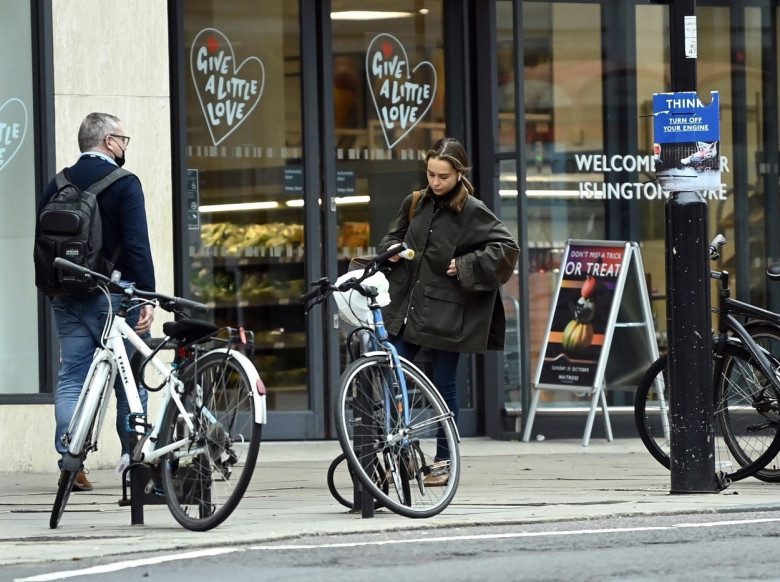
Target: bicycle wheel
{"points": [[341, 481], [365, 409], [768, 337], [67, 479], [79, 435], [653, 419], [651, 410], [204, 480], [743, 397]]}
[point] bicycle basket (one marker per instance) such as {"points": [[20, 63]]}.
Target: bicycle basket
{"points": [[353, 307]]}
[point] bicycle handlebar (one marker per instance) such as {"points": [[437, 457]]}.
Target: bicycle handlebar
{"points": [[772, 270], [166, 302], [715, 245], [323, 285]]}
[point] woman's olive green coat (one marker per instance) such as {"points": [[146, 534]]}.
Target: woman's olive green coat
{"points": [[463, 313]]}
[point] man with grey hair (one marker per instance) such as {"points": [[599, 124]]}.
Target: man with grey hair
{"points": [[103, 146]]}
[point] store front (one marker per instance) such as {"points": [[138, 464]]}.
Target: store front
{"points": [[302, 128], [298, 128], [296, 158]]}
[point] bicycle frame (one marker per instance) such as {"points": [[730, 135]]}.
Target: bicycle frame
{"points": [[727, 310], [114, 354], [379, 338]]}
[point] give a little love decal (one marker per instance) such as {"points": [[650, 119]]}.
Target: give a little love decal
{"points": [[13, 128], [402, 92], [228, 91]]}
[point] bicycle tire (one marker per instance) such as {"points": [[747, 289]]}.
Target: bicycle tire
{"points": [[64, 489], [768, 336], [204, 482], [651, 412], [406, 453], [740, 391], [82, 426]]}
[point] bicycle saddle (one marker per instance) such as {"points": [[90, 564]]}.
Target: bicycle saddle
{"points": [[189, 331]]}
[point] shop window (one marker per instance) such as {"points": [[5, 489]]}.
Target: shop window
{"points": [[245, 225], [18, 353]]}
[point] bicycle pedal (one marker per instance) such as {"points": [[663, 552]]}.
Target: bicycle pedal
{"points": [[136, 421]]}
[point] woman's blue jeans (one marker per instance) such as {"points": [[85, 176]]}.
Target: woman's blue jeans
{"points": [[445, 370], [79, 327]]}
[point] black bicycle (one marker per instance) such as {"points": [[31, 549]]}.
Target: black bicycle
{"points": [[746, 382]]}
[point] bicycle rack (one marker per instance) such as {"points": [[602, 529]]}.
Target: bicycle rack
{"points": [[140, 476], [140, 473], [362, 446]]}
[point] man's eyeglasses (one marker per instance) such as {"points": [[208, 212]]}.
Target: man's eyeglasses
{"points": [[125, 139]]}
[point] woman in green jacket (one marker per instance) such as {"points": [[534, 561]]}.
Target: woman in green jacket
{"points": [[446, 298]]}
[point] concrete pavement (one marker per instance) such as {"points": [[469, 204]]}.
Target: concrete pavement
{"points": [[502, 482]]}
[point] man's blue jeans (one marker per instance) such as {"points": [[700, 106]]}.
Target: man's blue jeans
{"points": [[79, 327], [445, 370]]}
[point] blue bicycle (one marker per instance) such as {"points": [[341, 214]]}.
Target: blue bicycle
{"points": [[397, 433]]}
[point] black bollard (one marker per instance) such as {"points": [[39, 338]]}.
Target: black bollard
{"points": [[689, 325]]}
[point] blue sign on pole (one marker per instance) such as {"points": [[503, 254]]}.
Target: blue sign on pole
{"points": [[687, 141]]}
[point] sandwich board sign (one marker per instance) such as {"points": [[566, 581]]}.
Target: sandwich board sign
{"points": [[601, 296]]}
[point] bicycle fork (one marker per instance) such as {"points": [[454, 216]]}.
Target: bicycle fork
{"points": [[92, 401]]}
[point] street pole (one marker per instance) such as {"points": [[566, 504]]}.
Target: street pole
{"points": [[689, 321]]}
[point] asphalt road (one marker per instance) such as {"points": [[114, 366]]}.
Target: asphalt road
{"points": [[738, 546]]}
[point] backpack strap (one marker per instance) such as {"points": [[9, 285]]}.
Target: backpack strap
{"points": [[106, 181], [413, 207], [62, 179]]}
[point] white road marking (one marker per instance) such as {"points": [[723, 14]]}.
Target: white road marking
{"points": [[116, 566], [509, 535], [228, 550]]}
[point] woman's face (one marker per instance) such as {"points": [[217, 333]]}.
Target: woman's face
{"points": [[442, 176]]}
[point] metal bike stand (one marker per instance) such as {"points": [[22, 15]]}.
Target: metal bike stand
{"points": [[140, 475], [363, 446]]}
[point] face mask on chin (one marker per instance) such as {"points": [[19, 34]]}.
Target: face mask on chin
{"points": [[120, 161]]}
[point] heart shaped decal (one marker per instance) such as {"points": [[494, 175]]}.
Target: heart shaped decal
{"points": [[402, 96], [13, 128], [227, 92]]}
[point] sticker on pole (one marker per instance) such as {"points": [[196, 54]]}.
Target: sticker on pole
{"points": [[687, 142]]}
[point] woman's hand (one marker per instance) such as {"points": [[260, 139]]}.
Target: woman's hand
{"points": [[452, 270], [394, 258]]}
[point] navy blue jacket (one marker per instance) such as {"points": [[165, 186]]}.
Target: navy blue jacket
{"points": [[123, 216]]}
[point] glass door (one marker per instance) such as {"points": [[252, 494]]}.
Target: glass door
{"points": [[388, 109], [243, 216]]}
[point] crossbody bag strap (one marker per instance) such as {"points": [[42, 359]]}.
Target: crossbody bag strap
{"points": [[413, 207]]}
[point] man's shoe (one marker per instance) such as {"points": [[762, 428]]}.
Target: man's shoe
{"points": [[80, 484]]}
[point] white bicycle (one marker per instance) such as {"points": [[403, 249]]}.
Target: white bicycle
{"points": [[203, 447]]}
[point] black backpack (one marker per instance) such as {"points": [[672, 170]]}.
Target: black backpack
{"points": [[69, 226]]}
